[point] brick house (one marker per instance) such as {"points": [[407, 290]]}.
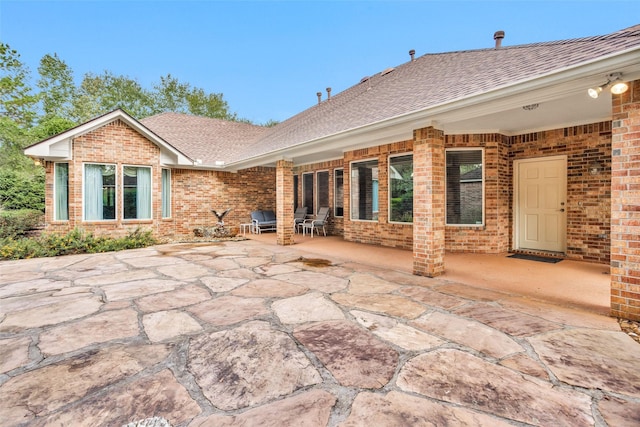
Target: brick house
{"points": [[554, 170]]}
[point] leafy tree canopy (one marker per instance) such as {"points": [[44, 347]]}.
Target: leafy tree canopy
{"points": [[29, 115]]}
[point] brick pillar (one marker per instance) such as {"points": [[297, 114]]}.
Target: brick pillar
{"points": [[428, 202], [625, 204], [284, 202]]}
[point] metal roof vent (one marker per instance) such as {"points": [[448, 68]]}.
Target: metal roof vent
{"points": [[498, 36], [387, 71]]}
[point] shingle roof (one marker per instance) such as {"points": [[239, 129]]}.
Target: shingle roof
{"points": [[435, 79], [204, 138]]}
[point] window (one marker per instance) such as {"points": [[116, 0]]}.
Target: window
{"points": [[322, 182], [401, 188], [166, 193], [338, 192], [295, 192], [99, 192], [364, 190], [464, 179], [136, 194], [61, 192], [307, 191]]}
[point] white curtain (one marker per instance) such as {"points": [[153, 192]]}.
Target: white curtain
{"points": [[62, 191], [166, 193], [143, 193], [93, 192]]}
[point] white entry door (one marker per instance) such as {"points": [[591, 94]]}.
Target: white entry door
{"points": [[540, 203]]}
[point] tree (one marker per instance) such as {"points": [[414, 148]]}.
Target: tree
{"points": [[16, 100], [170, 95], [57, 89], [99, 94]]}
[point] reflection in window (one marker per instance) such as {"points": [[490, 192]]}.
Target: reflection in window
{"points": [[99, 192], [364, 190], [322, 183], [307, 191], [61, 191], [338, 192], [166, 193], [136, 193], [401, 188], [464, 187]]}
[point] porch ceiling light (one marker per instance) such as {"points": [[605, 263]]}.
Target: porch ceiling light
{"points": [[615, 81]]}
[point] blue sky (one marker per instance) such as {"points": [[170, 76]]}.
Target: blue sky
{"points": [[270, 58]]}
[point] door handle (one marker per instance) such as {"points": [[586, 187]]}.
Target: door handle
{"points": [[561, 210]]}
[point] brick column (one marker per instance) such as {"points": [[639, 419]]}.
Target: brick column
{"points": [[428, 202], [284, 202], [625, 204]]}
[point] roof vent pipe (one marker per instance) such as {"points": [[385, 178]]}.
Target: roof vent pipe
{"points": [[328, 94], [412, 53], [498, 36], [319, 95]]}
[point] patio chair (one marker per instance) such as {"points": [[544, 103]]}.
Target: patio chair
{"points": [[319, 221], [298, 217]]}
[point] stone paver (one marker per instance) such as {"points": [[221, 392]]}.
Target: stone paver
{"points": [[475, 335], [596, 359], [249, 365], [354, 357], [162, 325], [311, 408], [396, 409], [498, 390], [245, 333], [313, 307]]}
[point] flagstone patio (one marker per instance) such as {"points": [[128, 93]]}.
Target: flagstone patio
{"points": [[248, 333]]}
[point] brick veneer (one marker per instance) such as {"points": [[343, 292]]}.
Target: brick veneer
{"points": [[588, 196], [379, 232], [194, 192], [625, 204], [429, 204], [284, 202]]}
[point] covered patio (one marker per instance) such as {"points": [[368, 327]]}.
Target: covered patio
{"points": [[567, 283]]}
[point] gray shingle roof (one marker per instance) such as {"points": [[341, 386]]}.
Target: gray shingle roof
{"points": [[204, 138], [430, 80], [435, 79]]}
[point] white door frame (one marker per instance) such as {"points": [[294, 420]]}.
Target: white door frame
{"points": [[516, 193]]}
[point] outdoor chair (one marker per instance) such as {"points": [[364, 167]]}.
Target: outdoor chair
{"points": [[298, 217], [316, 223]]}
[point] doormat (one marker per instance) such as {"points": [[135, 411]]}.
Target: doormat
{"points": [[536, 258]]}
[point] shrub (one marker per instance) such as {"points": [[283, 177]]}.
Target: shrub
{"points": [[16, 223], [74, 242]]}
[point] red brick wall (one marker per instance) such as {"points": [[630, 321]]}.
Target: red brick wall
{"points": [[493, 236], [336, 224], [194, 193], [625, 205], [379, 232], [589, 196]]}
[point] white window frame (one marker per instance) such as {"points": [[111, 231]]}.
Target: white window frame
{"points": [[55, 191], [150, 190], [351, 163], [410, 153], [484, 206], [117, 196], [162, 193]]}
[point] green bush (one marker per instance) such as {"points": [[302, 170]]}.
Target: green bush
{"points": [[22, 189], [16, 223], [74, 242]]}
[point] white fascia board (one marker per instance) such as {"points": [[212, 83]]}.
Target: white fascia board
{"points": [[59, 147]]}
